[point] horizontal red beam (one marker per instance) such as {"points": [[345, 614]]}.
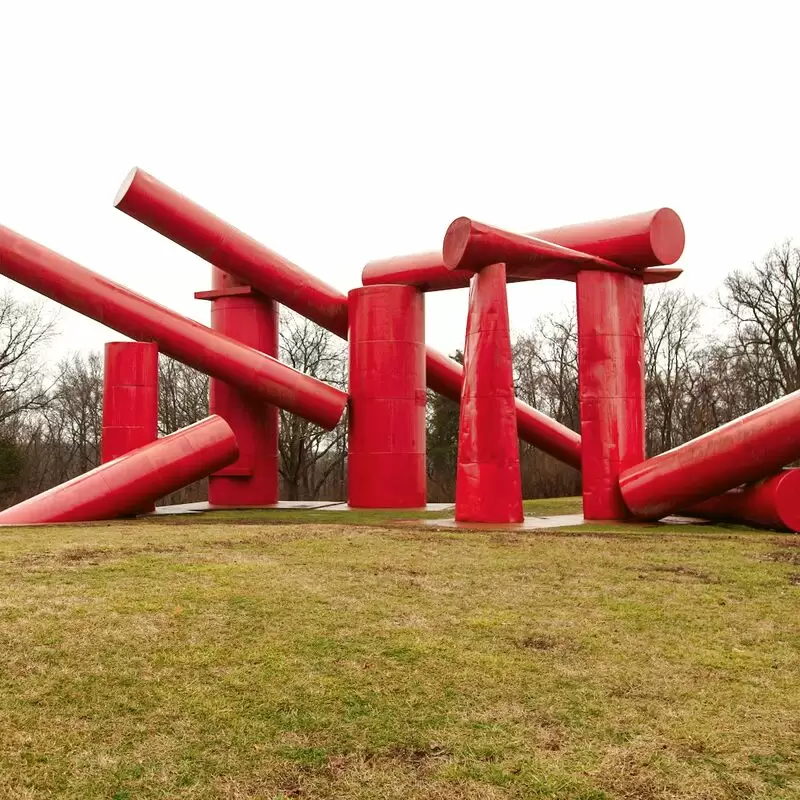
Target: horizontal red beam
{"points": [[652, 239], [135, 480], [98, 298], [181, 220]]}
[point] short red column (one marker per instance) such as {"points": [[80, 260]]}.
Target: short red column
{"points": [[241, 313], [130, 397], [611, 386], [488, 483], [386, 426]]}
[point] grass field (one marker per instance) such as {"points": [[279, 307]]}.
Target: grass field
{"points": [[229, 658]]}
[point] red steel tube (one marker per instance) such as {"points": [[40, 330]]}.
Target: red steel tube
{"points": [[194, 344], [248, 317], [771, 503], [488, 481], [386, 434], [133, 481], [742, 451], [611, 383], [639, 241], [161, 208], [184, 222], [130, 397]]}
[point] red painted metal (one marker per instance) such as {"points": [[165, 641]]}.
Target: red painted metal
{"points": [[163, 209], [247, 316], [132, 481], [488, 483], [742, 451], [386, 436], [113, 305], [611, 383], [771, 503], [639, 241]]}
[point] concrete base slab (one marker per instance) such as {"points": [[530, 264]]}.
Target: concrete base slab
{"points": [[428, 507], [203, 505], [528, 524]]}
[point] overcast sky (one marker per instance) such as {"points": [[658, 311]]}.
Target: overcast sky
{"points": [[338, 132]]}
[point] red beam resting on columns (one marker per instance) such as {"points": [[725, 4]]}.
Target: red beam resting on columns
{"points": [[488, 483], [247, 316], [645, 241], [771, 503], [133, 481], [194, 344], [163, 209], [386, 435], [742, 451]]}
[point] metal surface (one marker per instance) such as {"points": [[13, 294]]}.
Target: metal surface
{"points": [[639, 241], [488, 484], [135, 480], [386, 435], [611, 383], [194, 344], [742, 451], [248, 317], [164, 210], [771, 503]]}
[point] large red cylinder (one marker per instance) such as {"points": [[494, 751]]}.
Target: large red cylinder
{"points": [[650, 239], [135, 480], [611, 386], [386, 435], [184, 222], [194, 344], [771, 503], [130, 397], [742, 451], [248, 317], [488, 483]]}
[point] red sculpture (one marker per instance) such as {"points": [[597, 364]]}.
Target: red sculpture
{"points": [[733, 473]]}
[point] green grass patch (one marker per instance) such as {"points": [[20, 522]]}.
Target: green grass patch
{"points": [[152, 660]]}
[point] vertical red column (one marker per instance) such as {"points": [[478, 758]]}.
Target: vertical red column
{"points": [[240, 312], [130, 397], [488, 483], [611, 386], [386, 426]]}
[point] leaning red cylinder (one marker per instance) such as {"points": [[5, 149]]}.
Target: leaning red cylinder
{"points": [[649, 239], [130, 397], [742, 451], [184, 222], [611, 386], [386, 422], [488, 482], [252, 319], [194, 344], [770, 503], [133, 481]]}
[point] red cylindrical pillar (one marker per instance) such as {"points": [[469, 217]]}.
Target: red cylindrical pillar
{"points": [[386, 434], [241, 313], [488, 483], [130, 397], [611, 386], [771, 503], [130, 482]]}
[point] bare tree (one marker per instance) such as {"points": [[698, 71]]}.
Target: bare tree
{"points": [[182, 395], [310, 456]]}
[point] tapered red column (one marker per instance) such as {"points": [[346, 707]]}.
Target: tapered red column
{"points": [[611, 386], [241, 313], [771, 503], [488, 484], [130, 397], [386, 435], [135, 480]]}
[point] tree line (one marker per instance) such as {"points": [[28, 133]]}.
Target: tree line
{"points": [[698, 376]]}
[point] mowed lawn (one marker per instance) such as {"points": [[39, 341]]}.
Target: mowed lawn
{"points": [[220, 659]]}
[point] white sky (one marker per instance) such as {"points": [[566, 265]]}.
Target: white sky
{"points": [[338, 132]]}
